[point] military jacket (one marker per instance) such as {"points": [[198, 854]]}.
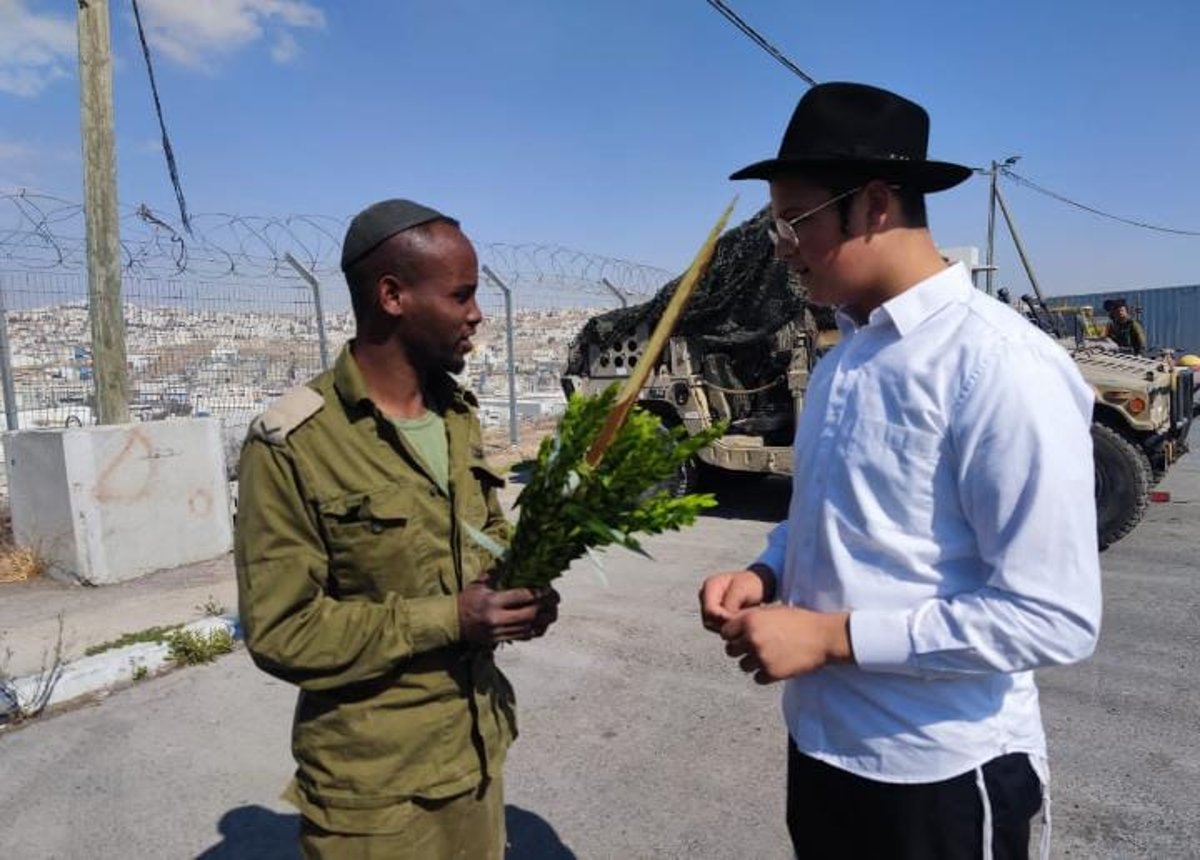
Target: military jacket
{"points": [[349, 559], [1128, 335]]}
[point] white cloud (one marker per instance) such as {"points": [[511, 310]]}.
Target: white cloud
{"points": [[38, 48], [12, 150], [35, 49], [31, 163], [285, 49], [196, 34]]}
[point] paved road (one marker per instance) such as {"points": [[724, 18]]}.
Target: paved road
{"points": [[638, 740]]}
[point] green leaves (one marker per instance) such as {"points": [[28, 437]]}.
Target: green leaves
{"points": [[569, 507]]}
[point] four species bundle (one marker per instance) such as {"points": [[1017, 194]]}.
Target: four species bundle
{"points": [[569, 507]]}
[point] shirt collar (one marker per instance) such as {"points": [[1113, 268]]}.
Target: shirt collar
{"points": [[352, 388], [347, 379], [916, 304]]}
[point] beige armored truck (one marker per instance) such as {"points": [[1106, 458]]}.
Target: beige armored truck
{"points": [[746, 345]]}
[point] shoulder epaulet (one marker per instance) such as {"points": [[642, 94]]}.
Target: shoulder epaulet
{"points": [[287, 413]]}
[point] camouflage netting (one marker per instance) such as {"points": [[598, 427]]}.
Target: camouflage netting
{"points": [[742, 301]]}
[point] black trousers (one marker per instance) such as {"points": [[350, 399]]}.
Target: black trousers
{"points": [[835, 814]]}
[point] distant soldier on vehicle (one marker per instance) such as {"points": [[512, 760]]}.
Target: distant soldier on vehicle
{"points": [[1123, 329]]}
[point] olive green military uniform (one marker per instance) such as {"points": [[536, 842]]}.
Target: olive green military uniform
{"points": [[1128, 335], [349, 559]]}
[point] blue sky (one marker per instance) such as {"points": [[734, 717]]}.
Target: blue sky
{"points": [[611, 127]]}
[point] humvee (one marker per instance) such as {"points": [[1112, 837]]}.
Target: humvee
{"points": [[745, 347]]}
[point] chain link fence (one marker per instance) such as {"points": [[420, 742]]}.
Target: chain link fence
{"points": [[222, 319]]}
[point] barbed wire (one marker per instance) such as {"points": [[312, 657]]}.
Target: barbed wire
{"points": [[43, 232], [555, 266]]}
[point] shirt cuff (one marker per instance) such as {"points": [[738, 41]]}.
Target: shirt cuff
{"points": [[881, 641], [772, 559], [431, 622]]}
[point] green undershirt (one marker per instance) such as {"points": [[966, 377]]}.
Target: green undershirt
{"points": [[427, 436]]}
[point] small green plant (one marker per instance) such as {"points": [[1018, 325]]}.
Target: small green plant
{"points": [[192, 647], [140, 673], [150, 634], [211, 608], [569, 507]]}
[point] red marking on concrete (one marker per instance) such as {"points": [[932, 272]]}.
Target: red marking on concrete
{"points": [[1160, 496], [200, 503], [128, 476]]}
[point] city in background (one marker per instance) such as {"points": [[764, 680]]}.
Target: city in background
{"points": [[222, 320]]}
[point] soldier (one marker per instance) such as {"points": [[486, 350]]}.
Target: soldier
{"points": [[1123, 329], [364, 521]]}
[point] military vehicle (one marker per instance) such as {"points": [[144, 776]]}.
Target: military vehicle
{"points": [[1141, 419], [745, 347]]}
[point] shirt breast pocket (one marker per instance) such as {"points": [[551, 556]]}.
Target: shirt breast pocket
{"points": [[369, 542], [480, 548], [891, 473], [484, 479]]}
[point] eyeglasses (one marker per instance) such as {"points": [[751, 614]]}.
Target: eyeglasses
{"points": [[783, 230]]}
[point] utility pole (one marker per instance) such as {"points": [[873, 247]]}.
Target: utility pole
{"points": [[1012, 231], [997, 166], [991, 236], [100, 213]]}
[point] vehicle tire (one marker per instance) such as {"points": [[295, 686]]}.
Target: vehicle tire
{"points": [[740, 478], [1122, 484], [687, 479]]}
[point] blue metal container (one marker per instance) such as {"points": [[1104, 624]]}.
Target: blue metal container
{"points": [[1171, 315]]}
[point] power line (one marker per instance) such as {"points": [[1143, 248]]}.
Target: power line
{"points": [[1033, 186], [761, 41], [758, 39], [172, 169]]}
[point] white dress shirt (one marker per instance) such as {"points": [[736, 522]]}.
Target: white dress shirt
{"points": [[943, 495]]}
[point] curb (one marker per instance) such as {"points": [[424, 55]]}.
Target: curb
{"points": [[100, 672]]}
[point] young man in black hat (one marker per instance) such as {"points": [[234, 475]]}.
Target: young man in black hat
{"points": [[366, 513], [936, 551]]}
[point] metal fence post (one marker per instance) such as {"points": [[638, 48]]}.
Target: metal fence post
{"points": [[620, 295], [512, 367], [322, 341], [6, 369]]}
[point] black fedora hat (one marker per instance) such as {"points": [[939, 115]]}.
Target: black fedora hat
{"points": [[854, 128]]}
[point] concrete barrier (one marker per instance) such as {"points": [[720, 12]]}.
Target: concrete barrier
{"points": [[107, 504]]}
